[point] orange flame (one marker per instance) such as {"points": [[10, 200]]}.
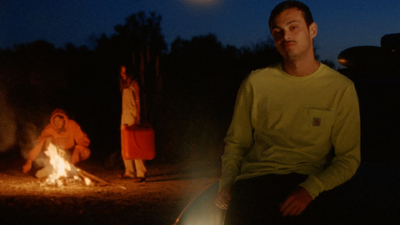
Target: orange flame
{"points": [[60, 166]]}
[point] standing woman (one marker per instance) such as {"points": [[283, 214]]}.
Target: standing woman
{"points": [[130, 116]]}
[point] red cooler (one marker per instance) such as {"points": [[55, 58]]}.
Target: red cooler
{"points": [[138, 142]]}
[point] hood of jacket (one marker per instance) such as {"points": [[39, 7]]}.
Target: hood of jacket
{"points": [[58, 112]]}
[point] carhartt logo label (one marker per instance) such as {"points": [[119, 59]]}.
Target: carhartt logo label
{"points": [[316, 122]]}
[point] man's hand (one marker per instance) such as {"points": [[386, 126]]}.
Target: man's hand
{"points": [[223, 198], [296, 202], [27, 166]]}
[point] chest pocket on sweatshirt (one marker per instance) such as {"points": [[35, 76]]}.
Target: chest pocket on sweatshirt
{"points": [[317, 124]]}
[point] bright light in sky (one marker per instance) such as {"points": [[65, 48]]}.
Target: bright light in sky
{"points": [[202, 2]]}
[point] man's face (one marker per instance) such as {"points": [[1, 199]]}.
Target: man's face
{"points": [[293, 38], [59, 123]]}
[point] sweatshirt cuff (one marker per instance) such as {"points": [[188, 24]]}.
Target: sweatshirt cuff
{"points": [[224, 184], [313, 185]]}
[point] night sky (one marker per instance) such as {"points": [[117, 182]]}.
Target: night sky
{"points": [[342, 23]]}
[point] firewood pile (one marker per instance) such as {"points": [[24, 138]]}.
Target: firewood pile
{"points": [[76, 176], [62, 172]]}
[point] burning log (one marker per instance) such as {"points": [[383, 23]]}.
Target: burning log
{"points": [[85, 175]]}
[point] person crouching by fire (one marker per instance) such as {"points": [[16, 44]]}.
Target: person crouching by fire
{"points": [[65, 134]]}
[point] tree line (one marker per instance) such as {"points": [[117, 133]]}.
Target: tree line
{"points": [[188, 90]]}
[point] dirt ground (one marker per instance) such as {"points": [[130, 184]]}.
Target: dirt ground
{"points": [[370, 197], [168, 189]]}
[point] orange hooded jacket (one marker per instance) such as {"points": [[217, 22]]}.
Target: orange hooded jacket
{"points": [[65, 139]]}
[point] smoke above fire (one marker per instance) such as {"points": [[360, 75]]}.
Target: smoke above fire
{"points": [[16, 130], [8, 126]]}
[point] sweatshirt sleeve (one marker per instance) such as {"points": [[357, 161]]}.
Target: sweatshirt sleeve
{"points": [[46, 133], [239, 138], [80, 137], [346, 142], [36, 150]]}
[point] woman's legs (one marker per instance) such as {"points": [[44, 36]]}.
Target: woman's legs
{"points": [[140, 168], [129, 168]]}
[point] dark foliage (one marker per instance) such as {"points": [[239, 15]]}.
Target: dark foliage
{"points": [[188, 93]]}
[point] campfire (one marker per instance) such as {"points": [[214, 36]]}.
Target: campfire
{"points": [[64, 173]]}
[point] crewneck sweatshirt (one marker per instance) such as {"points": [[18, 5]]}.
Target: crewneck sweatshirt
{"points": [[284, 124]]}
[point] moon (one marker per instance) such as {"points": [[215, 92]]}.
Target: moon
{"points": [[201, 2]]}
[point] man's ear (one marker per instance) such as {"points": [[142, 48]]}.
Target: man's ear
{"points": [[313, 30]]}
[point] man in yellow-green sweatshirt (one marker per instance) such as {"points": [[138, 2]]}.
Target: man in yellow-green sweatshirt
{"points": [[295, 131]]}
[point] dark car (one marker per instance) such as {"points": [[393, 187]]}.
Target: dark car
{"points": [[202, 210]]}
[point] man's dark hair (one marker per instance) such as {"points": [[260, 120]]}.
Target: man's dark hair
{"points": [[288, 5]]}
